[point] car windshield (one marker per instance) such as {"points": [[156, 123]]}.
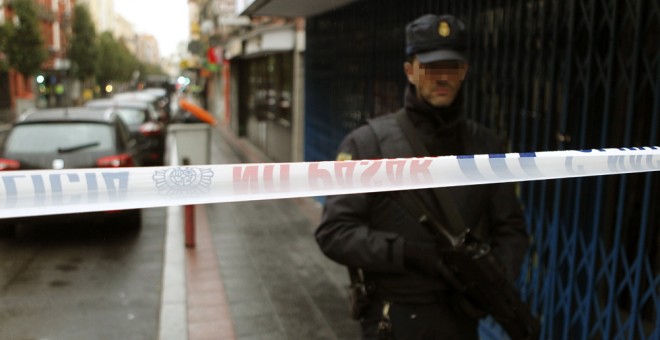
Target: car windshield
{"points": [[131, 116], [30, 138]]}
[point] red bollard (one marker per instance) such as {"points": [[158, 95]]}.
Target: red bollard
{"points": [[190, 225], [189, 219]]}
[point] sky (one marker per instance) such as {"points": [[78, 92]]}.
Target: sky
{"points": [[166, 20]]}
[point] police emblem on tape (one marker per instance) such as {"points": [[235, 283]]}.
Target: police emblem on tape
{"points": [[183, 181]]}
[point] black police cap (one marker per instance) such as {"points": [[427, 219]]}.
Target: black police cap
{"points": [[436, 38]]}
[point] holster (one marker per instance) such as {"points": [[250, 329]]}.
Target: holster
{"points": [[360, 293]]}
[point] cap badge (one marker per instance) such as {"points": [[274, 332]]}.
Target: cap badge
{"points": [[443, 29]]}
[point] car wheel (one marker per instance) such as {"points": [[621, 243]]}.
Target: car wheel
{"points": [[134, 219], [23, 230]]}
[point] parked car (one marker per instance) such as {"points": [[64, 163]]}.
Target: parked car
{"points": [[69, 138], [144, 123], [164, 99], [147, 96], [157, 91]]}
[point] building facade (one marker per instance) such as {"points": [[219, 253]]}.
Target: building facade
{"points": [[147, 49], [102, 13], [19, 92], [266, 87], [250, 71], [105, 19]]}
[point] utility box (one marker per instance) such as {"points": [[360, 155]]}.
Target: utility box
{"points": [[192, 142]]}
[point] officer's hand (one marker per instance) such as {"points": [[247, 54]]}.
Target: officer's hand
{"points": [[422, 256]]}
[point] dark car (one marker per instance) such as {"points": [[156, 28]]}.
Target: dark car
{"points": [[144, 123], [69, 138]]}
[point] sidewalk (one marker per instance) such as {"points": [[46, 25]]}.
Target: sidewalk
{"points": [[256, 271]]}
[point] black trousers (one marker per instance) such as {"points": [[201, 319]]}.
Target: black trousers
{"points": [[419, 322]]}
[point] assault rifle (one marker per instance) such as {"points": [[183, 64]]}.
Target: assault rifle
{"points": [[472, 269]]}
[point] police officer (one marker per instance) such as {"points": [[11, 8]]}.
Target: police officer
{"points": [[375, 233]]}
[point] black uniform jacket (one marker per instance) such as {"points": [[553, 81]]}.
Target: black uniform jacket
{"points": [[369, 230]]}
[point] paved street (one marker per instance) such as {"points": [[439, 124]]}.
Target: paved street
{"points": [[278, 284], [82, 281]]}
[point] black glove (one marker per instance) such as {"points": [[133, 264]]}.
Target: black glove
{"points": [[422, 256]]}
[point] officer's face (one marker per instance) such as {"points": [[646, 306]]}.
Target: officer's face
{"points": [[438, 82]]}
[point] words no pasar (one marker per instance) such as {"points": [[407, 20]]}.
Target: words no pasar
{"points": [[324, 175], [251, 179]]}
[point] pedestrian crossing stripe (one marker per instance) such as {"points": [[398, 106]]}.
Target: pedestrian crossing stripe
{"points": [[47, 192]]}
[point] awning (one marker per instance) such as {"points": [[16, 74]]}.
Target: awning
{"points": [[292, 8]]}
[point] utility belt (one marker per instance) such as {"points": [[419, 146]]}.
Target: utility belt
{"points": [[376, 305], [364, 292]]}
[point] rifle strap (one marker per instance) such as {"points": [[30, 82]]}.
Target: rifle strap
{"points": [[451, 212]]}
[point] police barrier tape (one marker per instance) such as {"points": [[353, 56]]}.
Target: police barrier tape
{"points": [[30, 193]]}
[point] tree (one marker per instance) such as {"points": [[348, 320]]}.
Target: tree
{"points": [[25, 47], [115, 62], [107, 63], [83, 48], [5, 31], [128, 61], [151, 69]]}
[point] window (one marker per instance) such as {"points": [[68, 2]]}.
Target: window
{"points": [[28, 138], [270, 79], [132, 116]]}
